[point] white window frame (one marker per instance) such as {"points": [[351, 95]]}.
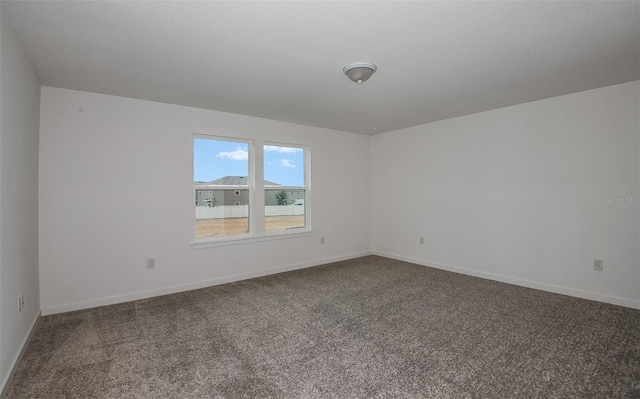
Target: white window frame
{"points": [[250, 187], [255, 185], [306, 188]]}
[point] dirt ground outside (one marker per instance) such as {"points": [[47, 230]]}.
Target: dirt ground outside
{"points": [[230, 226]]}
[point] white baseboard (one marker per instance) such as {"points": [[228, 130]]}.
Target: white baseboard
{"points": [[93, 303], [594, 296], [16, 360]]}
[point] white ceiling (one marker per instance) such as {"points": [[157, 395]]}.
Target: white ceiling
{"points": [[283, 60]]}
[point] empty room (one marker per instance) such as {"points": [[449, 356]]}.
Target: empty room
{"points": [[320, 199]]}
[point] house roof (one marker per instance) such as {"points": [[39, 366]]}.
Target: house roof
{"points": [[231, 181]]}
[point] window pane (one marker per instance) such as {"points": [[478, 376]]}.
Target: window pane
{"points": [[284, 209], [221, 213], [283, 166], [222, 163]]}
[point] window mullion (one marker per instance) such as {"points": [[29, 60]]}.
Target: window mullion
{"points": [[257, 207]]}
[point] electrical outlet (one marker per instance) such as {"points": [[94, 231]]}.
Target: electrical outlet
{"points": [[151, 263], [421, 240], [597, 265], [321, 240]]}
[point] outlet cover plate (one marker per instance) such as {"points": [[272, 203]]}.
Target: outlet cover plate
{"points": [[597, 265]]}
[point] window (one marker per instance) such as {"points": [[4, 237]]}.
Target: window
{"points": [[285, 181], [221, 167], [225, 186]]}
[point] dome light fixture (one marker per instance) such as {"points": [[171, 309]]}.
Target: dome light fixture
{"points": [[359, 71]]}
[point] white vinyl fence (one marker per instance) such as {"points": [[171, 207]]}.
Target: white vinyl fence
{"points": [[284, 210], [242, 211]]}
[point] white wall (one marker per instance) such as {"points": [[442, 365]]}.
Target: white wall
{"points": [[19, 118], [109, 153], [519, 194]]}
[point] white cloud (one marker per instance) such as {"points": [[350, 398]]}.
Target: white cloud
{"points": [[238, 155], [283, 150], [287, 163]]}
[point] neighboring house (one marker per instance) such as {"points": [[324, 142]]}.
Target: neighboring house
{"points": [[212, 196], [208, 197], [293, 196], [272, 190]]}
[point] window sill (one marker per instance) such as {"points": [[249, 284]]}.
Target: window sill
{"points": [[245, 239]]}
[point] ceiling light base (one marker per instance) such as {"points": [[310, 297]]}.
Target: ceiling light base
{"points": [[359, 71]]}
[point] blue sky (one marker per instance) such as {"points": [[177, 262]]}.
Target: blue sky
{"points": [[214, 159]]}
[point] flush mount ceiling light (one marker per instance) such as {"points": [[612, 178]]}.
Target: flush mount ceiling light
{"points": [[359, 71]]}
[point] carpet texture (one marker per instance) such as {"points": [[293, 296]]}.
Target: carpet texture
{"points": [[363, 328]]}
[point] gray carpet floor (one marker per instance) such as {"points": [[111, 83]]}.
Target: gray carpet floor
{"points": [[368, 327]]}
